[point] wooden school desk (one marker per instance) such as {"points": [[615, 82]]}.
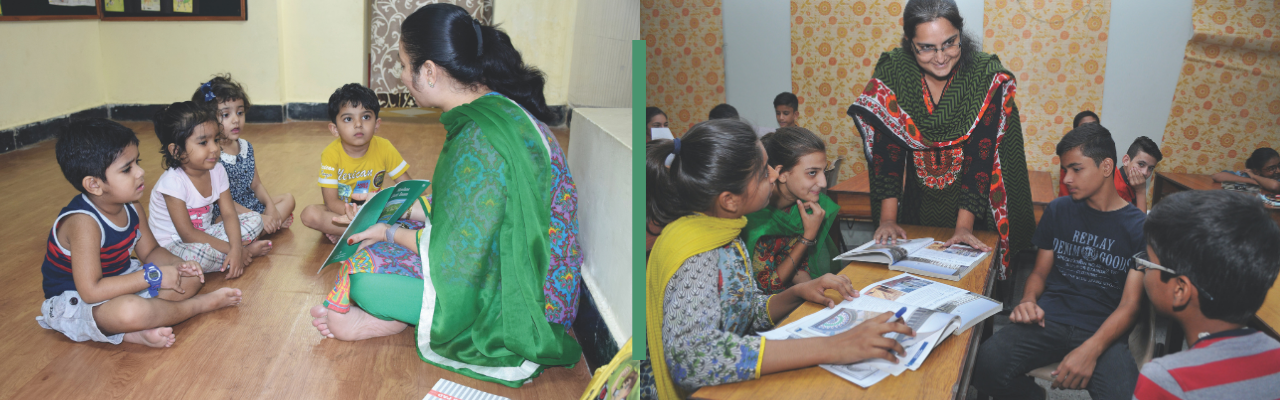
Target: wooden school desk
{"points": [[944, 374], [854, 195], [1167, 183]]}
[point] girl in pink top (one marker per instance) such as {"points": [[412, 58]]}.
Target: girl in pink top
{"points": [[193, 182]]}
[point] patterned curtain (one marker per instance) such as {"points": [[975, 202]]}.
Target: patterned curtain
{"points": [[1058, 52], [1227, 102], [384, 42], [835, 45], [684, 58]]}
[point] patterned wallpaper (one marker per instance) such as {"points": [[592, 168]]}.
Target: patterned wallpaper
{"points": [[834, 47], [1058, 52], [1227, 102], [384, 42], [684, 58]]}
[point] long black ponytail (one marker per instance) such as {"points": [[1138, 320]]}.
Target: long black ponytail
{"points": [[714, 157], [473, 54]]}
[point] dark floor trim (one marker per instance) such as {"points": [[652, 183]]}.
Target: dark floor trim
{"points": [[308, 111], [598, 346], [14, 138]]}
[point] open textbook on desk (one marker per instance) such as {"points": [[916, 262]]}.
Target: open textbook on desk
{"points": [[922, 256], [933, 310]]}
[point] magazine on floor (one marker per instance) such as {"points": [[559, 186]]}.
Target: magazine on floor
{"points": [[449, 390], [934, 310], [385, 207], [923, 256]]}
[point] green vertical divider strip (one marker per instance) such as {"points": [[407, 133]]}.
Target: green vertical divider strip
{"points": [[638, 348]]}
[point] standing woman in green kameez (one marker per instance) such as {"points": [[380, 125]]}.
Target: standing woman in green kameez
{"points": [[940, 115], [491, 281]]}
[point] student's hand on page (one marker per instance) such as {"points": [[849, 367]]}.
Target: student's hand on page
{"points": [[867, 341], [1027, 313], [815, 290], [1076, 369], [965, 236], [889, 232], [812, 222], [191, 269]]}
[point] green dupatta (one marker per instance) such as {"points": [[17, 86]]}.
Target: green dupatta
{"points": [[774, 222], [502, 335]]}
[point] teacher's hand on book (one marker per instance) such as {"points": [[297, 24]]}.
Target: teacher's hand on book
{"points": [[889, 232], [867, 341], [1027, 313]]}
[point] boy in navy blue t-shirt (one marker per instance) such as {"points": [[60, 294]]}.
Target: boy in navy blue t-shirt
{"points": [[1082, 298]]}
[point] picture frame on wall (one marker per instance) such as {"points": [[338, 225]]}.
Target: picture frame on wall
{"points": [[150, 5], [184, 6]]}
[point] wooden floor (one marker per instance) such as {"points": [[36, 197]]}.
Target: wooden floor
{"points": [[266, 347]]}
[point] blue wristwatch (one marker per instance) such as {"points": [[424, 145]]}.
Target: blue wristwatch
{"points": [[152, 274]]}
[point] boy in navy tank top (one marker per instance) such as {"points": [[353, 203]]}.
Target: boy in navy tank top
{"points": [[91, 286]]}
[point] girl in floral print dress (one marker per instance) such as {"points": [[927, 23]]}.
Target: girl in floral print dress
{"points": [[704, 308]]}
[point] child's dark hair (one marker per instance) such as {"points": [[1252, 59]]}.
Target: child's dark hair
{"points": [[650, 112], [174, 124], [473, 54], [352, 94], [787, 99], [722, 111], [1146, 145], [715, 156], [1093, 140], [87, 147], [786, 145], [1260, 157], [1224, 242], [219, 90], [1075, 123]]}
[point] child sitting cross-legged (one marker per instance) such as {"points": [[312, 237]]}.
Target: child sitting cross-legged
{"points": [[93, 290], [229, 101], [357, 164], [1211, 257], [183, 198]]}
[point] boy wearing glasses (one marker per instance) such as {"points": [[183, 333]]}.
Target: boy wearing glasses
{"points": [[1083, 296], [1211, 257]]}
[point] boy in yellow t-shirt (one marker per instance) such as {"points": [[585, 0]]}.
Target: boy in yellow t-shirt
{"points": [[357, 162]]}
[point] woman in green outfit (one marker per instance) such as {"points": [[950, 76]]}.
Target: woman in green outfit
{"points": [[787, 240], [491, 281], [940, 115]]}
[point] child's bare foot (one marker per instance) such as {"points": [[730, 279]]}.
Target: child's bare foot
{"points": [[220, 298], [258, 248], [332, 238], [355, 325], [287, 222], [158, 337]]}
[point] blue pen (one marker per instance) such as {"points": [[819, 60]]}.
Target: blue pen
{"points": [[913, 358], [897, 316]]}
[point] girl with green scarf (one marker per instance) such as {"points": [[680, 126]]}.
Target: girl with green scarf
{"points": [[788, 238], [491, 281], [703, 308]]}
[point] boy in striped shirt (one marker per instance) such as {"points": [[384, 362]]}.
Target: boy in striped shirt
{"points": [[1211, 257]]}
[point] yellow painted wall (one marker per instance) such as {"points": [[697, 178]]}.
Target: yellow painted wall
{"points": [[542, 31], [48, 69], [324, 47], [155, 62], [288, 51]]}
